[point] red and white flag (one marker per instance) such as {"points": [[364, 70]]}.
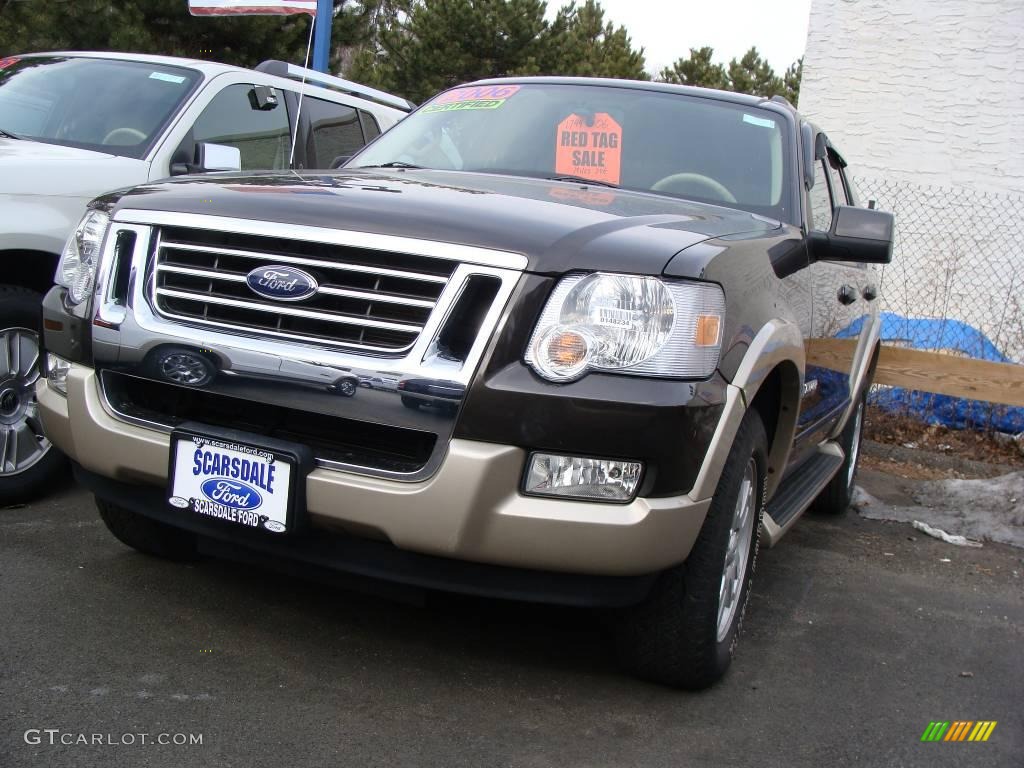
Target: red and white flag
{"points": [[250, 7]]}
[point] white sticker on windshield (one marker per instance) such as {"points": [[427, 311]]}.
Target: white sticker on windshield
{"points": [[760, 121], [167, 78]]}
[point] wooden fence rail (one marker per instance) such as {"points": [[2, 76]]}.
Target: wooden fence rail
{"points": [[931, 371]]}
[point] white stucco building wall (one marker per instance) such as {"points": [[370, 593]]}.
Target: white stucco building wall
{"points": [[925, 98], [927, 91]]}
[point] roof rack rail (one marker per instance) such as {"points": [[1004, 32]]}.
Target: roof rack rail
{"points": [[782, 100], [293, 72]]}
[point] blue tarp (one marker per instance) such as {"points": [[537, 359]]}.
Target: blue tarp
{"points": [[944, 335]]}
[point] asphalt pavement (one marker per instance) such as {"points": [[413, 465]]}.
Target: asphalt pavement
{"points": [[859, 634]]}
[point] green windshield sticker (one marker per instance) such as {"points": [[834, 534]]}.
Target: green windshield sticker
{"points": [[481, 97], [760, 121], [177, 79]]}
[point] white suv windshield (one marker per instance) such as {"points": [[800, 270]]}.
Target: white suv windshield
{"points": [[110, 106], [668, 143]]}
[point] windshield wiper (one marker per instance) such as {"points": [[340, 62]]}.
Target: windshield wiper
{"points": [[392, 164], [8, 134], [582, 180]]}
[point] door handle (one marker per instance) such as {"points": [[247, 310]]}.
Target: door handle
{"points": [[870, 292], [847, 295]]}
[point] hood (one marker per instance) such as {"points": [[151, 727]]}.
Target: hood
{"points": [[35, 168], [558, 226]]}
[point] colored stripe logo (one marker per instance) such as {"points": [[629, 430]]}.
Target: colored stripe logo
{"points": [[959, 730]]}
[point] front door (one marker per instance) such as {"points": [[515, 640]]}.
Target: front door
{"points": [[841, 305]]}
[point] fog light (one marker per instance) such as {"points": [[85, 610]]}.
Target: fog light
{"points": [[582, 478], [57, 373]]}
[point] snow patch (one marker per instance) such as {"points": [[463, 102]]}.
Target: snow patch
{"points": [[979, 510]]}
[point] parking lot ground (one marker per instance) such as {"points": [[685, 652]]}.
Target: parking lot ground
{"points": [[859, 634]]}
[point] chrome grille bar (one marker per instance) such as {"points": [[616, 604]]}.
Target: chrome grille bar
{"points": [[291, 337], [288, 310], [329, 290], [272, 258]]}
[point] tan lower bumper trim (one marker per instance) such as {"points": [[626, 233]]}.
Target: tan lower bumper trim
{"points": [[471, 509]]}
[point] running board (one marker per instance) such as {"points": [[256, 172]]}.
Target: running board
{"points": [[799, 490]]}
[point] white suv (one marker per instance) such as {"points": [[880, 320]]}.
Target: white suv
{"points": [[75, 125]]}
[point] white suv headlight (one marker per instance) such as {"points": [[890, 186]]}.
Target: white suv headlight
{"points": [[77, 268], [628, 324]]}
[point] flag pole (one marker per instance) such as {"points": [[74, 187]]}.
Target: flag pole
{"points": [[322, 40]]}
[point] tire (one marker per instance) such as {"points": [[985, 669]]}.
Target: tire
{"points": [[145, 535], [837, 496], [410, 402], [345, 388], [29, 464], [678, 636]]}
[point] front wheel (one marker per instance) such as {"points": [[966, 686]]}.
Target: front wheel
{"points": [[685, 633], [29, 464]]}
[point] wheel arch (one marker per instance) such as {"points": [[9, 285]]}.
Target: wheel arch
{"points": [[777, 401], [769, 379], [26, 268]]}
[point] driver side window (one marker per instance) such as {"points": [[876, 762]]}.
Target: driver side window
{"points": [[261, 135]]}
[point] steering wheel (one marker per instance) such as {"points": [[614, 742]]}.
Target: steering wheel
{"points": [[123, 137], [681, 183]]}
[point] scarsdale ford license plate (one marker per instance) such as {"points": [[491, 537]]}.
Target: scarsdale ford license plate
{"points": [[235, 483]]}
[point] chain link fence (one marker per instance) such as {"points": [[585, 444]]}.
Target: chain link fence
{"points": [[954, 286], [957, 263]]}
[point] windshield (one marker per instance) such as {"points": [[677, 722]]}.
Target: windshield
{"points": [[698, 148], [118, 107]]}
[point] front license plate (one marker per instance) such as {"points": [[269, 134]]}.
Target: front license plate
{"points": [[244, 485]]}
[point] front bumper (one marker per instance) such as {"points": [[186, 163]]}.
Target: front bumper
{"points": [[470, 509]]}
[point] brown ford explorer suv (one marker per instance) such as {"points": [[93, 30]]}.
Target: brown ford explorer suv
{"points": [[594, 302]]}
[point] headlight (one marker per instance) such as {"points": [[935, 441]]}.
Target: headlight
{"points": [[77, 268], [628, 324]]}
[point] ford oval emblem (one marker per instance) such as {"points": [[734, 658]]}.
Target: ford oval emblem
{"points": [[231, 493], [281, 283]]}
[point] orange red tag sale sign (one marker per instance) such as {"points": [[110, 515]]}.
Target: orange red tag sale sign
{"points": [[592, 151]]}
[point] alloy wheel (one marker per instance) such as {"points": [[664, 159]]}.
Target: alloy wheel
{"points": [[22, 442], [741, 531]]}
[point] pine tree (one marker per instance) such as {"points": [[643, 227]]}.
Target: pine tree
{"points": [[423, 47], [582, 44], [749, 74], [791, 81], [697, 70], [752, 74]]}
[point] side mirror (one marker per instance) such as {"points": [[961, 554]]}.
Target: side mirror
{"points": [[217, 157], [859, 235], [262, 98]]}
